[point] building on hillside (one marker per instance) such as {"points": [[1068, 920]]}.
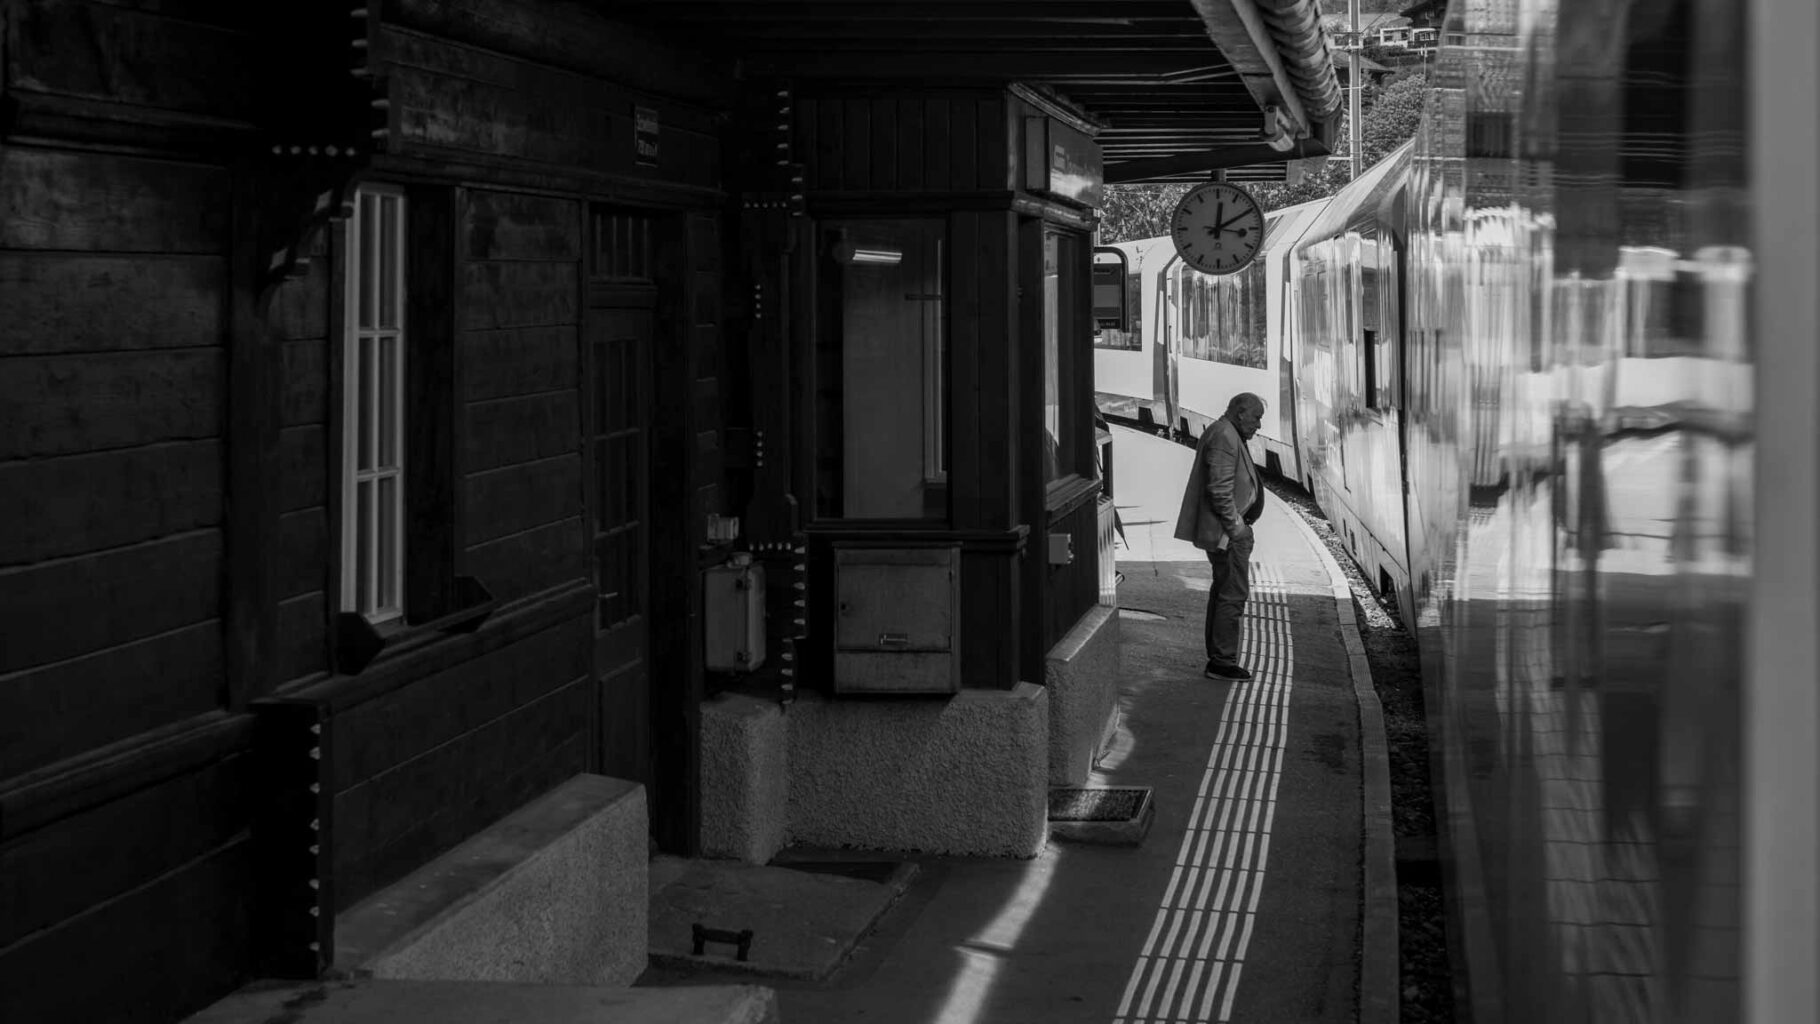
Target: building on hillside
{"points": [[404, 407]]}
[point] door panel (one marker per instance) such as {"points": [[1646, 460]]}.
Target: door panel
{"points": [[617, 343]]}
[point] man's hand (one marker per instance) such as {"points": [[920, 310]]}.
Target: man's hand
{"points": [[1241, 535]]}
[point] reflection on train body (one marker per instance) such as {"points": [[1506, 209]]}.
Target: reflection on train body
{"points": [[1580, 454], [1520, 376]]}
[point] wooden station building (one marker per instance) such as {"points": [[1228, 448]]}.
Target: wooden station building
{"points": [[382, 388]]}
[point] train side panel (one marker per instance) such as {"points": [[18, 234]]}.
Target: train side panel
{"points": [[1345, 278], [1579, 387]]}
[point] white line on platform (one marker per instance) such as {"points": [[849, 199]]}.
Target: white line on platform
{"points": [[1212, 895]]}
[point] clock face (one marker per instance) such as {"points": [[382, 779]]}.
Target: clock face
{"points": [[1218, 228]]}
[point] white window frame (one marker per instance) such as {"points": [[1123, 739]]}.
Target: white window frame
{"points": [[373, 513]]}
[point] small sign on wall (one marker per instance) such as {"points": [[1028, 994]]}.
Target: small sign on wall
{"points": [[1062, 161], [645, 129]]}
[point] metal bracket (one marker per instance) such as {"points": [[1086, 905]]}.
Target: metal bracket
{"points": [[703, 935]]}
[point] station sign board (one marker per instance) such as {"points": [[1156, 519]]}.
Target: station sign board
{"points": [[645, 131], [1062, 161]]}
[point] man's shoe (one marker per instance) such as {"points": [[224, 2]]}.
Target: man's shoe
{"points": [[1218, 670]]}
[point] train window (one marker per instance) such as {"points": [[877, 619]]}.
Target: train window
{"points": [[891, 276], [1132, 335]]}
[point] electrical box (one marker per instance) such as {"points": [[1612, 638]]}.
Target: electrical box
{"points": [[897, 620], [733, 614]]}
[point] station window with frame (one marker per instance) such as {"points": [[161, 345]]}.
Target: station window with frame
{"points": [[372, 463], [1066, 356], [893, 352]]}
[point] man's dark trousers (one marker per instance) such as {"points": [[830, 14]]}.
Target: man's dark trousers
{"points": [[1226, 600]]}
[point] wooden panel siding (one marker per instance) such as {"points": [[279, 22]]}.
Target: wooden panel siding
{"points": [[59, 303], [140, 57], [306, 381], [95, 202], [521, 564], [1070, 590], [300, 306], [166, 949], [303, 467], [526, 361], [170, 822], [71, 607], [514, 499], [989, 606], [393, 822], [563, 36], [58, 507], [63, 405], [519, 311], [302, 636], [303, 541], [526, 114], [391, 730], [505, 431], [938, 141], [63, 709], [300, 316], [519, 294], [514, 226], [912, 143], [967, 280]]}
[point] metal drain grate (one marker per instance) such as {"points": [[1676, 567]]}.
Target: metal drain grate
{"points": [[1112, 804]]}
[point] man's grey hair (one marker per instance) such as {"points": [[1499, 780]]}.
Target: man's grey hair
{"points": [[1242, 401]]}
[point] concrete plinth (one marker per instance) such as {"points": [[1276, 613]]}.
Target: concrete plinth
{"points": [[964, 775], [557, 892], [744, 779], [1081, 673]]}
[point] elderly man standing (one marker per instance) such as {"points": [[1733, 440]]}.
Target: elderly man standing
{"points": [[1221, 502]]}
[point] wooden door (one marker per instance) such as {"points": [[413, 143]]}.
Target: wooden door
{"points": [[616, 364]]}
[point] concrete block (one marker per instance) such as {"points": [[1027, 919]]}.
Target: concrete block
{"points": [[962, 775], [556, 892], [745, 781], [1081, 673], [369, 1001]]}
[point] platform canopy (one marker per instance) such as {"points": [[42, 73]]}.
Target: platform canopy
{"points": [[1176, 88]]}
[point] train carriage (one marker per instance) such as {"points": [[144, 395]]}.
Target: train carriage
{"points": [[1198, 339]]}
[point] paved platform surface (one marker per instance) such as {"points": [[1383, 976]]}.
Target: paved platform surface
{"points": [[1250, 897], [803, 924], [487, 1002]]}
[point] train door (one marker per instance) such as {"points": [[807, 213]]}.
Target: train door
{"points": [[1170, 281], [1399, 370]]}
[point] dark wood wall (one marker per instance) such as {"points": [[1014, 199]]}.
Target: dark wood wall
{"points": [[123, 795], [518, 346], [128, 779], [300, 318], [922, 141]]}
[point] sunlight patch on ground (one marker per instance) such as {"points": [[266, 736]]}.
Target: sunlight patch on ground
{"points": [[982, 955]]}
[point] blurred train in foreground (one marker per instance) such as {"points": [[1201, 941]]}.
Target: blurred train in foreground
{"points": [[1550, 369]]}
